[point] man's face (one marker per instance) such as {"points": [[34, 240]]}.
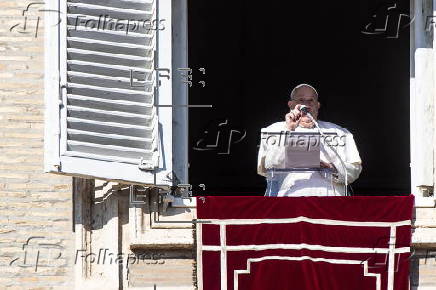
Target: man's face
{"points": [[306, 96]]}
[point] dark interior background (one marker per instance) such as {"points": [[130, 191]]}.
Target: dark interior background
{"points": [[255, 52]]}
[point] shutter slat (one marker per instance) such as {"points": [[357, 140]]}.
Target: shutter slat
{"points": [[109, 139], [123, 91], [112, 158], [107, 116], [101, 104], [112, 125], [102, 20], [114, 102], [111, 72], [90, 22], [117, 44], [115, 136], [121, 33], [110, 66], [99, 81], [110, 59], [105, 77], [108, 147], [109, 150], [111, 101], [112, 9], [113, 36], [137, 4], [110, 95], [113, 113], [116, 55]]}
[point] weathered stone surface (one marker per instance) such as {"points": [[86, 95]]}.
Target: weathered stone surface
{"points": [[35, 208]]}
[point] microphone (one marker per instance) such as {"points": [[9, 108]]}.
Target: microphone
{"points": [[305, 109]]}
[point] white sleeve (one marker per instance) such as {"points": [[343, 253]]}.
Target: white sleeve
{"points": [[350, 156], [353, 172], [261, 159]]}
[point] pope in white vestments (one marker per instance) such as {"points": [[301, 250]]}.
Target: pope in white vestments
{"points": [[330, 179]]}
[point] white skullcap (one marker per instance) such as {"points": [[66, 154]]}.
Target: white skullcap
{"points": [[302, 85]]}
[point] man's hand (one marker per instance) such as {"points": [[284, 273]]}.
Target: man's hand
{"points": [[327, 165], [293, 118], [306, 122]]}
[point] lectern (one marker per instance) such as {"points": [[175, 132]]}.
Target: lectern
{"points": [[281, 181], [293, 164]]}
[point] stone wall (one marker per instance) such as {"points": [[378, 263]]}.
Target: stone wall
{"points": [[35, 207], [423, 258]]}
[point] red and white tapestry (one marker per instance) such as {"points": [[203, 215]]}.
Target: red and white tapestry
{"points": [[303, 243]]}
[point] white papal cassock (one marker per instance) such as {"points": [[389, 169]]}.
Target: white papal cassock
{"points": [[311, 183]]}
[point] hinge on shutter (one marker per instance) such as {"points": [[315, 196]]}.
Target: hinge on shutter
{"points": [[143, 165], [63, 88], [62, 96], [58, 166]]}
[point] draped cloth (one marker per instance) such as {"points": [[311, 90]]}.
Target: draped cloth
{"points": [[304, 243]]}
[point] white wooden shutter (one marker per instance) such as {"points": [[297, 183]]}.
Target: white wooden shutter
{"points": [[100, 121]]}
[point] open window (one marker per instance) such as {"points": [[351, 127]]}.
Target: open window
{"points": [[251, 74], [110, 91]]}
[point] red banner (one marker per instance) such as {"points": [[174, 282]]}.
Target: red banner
{"points": [[304, 243]]}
